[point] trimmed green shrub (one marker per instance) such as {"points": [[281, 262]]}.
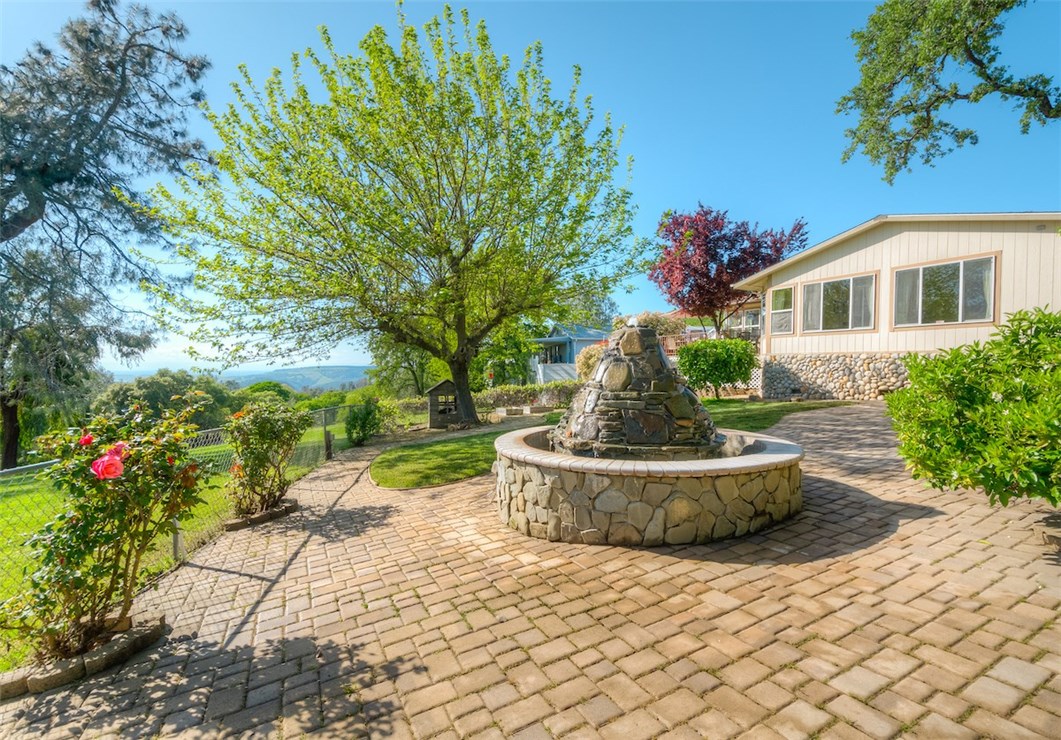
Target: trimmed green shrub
{"points": [[988, 415], [264, 437], [364, 422], [717, 362]]}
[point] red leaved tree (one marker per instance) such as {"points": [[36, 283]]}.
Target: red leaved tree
{"points": [[704, 253]]}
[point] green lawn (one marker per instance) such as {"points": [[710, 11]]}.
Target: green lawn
{"points": [[435, 463], [754, 416], [449, 460]]}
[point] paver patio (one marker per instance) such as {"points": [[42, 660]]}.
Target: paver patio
{"points": [[884, 609]]}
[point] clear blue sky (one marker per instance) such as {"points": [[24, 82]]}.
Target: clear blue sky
{"points": [[730, 104]]}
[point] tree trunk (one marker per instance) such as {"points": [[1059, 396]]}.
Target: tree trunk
{"points": [[459, 364], [9, 430]]}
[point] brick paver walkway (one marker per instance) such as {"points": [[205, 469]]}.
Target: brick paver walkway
{"points": [[883, 610]]}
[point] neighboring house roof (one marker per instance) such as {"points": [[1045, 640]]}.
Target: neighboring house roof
{"points": [[758, 280], [572, 331], [443, 386]]}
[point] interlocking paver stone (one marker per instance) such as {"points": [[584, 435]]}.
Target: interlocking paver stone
{"points": [[417, 614]]}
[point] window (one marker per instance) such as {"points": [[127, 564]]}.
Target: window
{"points": [[945, 294], [839, 304], [781, 311]]}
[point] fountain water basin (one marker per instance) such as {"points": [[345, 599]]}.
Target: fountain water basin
{"points": [[637, 460], [561, 497]]}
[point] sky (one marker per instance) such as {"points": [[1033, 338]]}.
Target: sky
{"points": [[729, 104]]}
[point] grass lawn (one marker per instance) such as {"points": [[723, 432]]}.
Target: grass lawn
{"points": [[754, 416], [449, 460]]}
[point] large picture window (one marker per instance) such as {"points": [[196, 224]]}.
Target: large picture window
{"points": [[949, 293], [781, 311], [839, 304]]}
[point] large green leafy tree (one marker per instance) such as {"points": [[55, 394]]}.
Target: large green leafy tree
{"points": [[920, 57], [52, 332], [166, 390], [432, 193]]}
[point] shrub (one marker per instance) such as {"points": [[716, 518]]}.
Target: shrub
{"points": [[717, 362], [125, 477], [988, 415], [264, 437], [663, 324], [556, 393], [586, 360], [364, 422]]}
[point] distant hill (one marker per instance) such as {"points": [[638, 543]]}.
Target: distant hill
{"points": [[320, 378]]}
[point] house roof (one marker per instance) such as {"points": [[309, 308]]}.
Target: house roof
{"points": [[758, 280], [443, 386], [572, 331]]}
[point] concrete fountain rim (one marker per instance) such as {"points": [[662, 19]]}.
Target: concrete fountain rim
{"points": [[773, 452]]}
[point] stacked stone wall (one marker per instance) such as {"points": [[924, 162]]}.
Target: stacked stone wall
{"points": [[549, 502], [855, 377]]}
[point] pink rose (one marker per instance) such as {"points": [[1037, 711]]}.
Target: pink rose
{"points": [[118, 451], [86, 440], [108, 466]]}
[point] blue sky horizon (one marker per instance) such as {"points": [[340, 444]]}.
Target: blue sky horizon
{"points": [[731, 104]]}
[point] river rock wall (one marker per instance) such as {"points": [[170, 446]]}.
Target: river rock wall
{"points": [[855, 377]]}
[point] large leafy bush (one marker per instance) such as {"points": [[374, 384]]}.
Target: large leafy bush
{"points": [[363, 422], [717, 362], [125, 478], [264, 437], [988, 415]]}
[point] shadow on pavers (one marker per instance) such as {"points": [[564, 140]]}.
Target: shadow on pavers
{"points": [[837, 519], [209, 690]]}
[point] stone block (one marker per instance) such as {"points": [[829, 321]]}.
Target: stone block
{"points": [[681, 534], [681, 509], [553, 534], [639, 514], [624, 533], [583, 520], [694, 488], [539, 530], [596, 483], [773, 477], [633, 487], [13, 683], [654, 529], [631, 343], [566, 512], [704, 525], [602, 520], [617, 377], [611, 501], [726, 486], [593, 537], [55, 675], [112, 653], [654, 494], [723, 528]]}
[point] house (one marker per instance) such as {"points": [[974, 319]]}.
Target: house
{"points": [[840, 315], [556, 357], [743, 323]]}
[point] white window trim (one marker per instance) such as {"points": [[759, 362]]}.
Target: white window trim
{"points": [[850, 304], [961, 294]]}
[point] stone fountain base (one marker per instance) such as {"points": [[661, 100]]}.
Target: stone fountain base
{"points": [[598, 501]]}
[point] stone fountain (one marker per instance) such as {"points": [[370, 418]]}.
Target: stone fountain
{"points": [[637, 460]]}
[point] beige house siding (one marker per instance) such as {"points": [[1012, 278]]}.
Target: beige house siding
{"points": [[1027, 274]]}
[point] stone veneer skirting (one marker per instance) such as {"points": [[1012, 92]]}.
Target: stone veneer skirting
{"points": [[561, 497], [856, 377]]}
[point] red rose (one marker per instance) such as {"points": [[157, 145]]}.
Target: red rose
{"points": [[169, 459], [86, 440], [108, 466]]}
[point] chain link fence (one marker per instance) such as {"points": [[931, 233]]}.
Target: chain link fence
{"points": [[28, 501]]}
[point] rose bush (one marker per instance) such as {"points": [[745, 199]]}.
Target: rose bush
{"points": [[126, 479], [264, 437]]}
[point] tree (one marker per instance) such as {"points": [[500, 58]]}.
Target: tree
{"points": [[920, 58], [399, 369], [52, 332], [432, 196], [79, 124], [664, 324], [166, 390], [504, 358], [704, 253]]}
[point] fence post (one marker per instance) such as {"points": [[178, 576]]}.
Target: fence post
{"points": [[178, 542], [328, 452]]}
